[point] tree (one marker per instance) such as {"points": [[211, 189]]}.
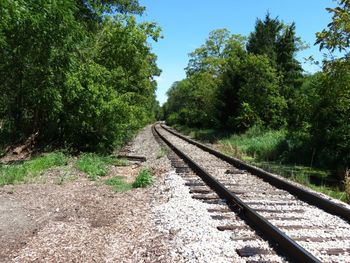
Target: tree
{"points": [[331, 121], [191, 102], [79, 72], [230, 83], [337, 34], [289, 68], [259, 94], [211, 57], [263, 40]]}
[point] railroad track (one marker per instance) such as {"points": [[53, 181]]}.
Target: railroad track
{"points": [[271, 220]]}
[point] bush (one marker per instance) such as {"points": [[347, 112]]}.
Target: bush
{"points": [[143, 179]]}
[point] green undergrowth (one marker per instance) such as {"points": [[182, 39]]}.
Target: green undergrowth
{"points": [[143, 179], [204, 135], [316, 179], [95, 165], [265, 149], [162, 153], [119, 184], [257, 144], [21, 172]]}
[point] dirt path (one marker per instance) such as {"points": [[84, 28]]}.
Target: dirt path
{"points": [[84, 221]]}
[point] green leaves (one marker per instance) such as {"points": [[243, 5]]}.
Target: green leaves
{"points": [[79, 72], [337, 34]]}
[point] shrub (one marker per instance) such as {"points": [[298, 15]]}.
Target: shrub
{"points": [[143, 179]]}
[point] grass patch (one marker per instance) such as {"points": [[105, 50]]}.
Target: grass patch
{"points": [[143, 179], [120, 162], [95, 165], [119, 184], [15, 173], [162, 153], [257, 143]]}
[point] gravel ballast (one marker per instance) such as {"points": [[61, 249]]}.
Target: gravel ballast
{"points": [[263, 196]]}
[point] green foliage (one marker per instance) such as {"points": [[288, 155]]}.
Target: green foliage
{"points": [[15, 173], [93, 165], [78, 72], [211, 57], [263, 40], [337, 34], [162, 153], [119, 184], [192, 101], [259, 94], [143, 179], [331, 119], [280, 44], [257, 142]]}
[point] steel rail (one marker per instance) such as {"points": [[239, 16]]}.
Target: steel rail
{"points": [[304, 195], [292, 249]]}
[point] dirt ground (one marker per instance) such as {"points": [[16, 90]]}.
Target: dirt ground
{"points": [[77, 220]]}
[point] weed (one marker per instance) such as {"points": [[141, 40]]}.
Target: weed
{"points": [[120, 162], [119, 184], [93, 165], [66, 177], [162, 153], [143, 179], [15, 173]]}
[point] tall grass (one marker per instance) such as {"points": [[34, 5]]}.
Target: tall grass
{"points": [[143, 179], [258, 143], [15, 173], [95, 165]]}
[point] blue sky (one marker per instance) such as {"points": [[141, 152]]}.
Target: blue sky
{"points": [[186, 25]]}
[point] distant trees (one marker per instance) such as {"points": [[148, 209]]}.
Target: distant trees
{"points": [[249, 80], [258, 81], [75, 71]]}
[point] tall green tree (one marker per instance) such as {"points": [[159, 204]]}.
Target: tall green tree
{"points": [[331, 121], [280, 44], [212, 56], [79, 72], [263, 40], [259, 94]]}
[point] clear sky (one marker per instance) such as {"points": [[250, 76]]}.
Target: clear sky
{"points": [[187, 23]]}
